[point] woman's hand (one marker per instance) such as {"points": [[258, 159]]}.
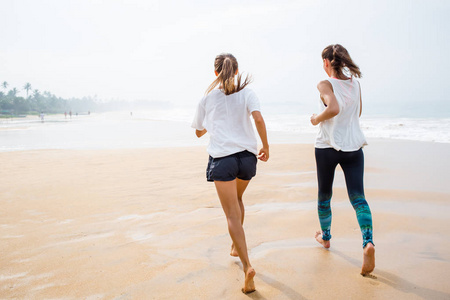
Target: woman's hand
{"points": [[314, 120], [200, 133], [263, 154]]}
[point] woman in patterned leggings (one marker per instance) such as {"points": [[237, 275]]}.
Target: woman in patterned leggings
{"points": [[340, 141]]}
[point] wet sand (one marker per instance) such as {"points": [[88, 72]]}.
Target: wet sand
{"points": [[145, 224]]}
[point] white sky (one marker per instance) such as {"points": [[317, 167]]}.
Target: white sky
{"points": [[164, 50]]}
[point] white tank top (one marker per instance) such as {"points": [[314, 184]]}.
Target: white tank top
{"points": [[342, 132]]}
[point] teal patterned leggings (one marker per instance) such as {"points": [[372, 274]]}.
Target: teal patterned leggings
{"points": [[352, 164]]}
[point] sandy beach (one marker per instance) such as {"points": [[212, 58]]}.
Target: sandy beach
{"points": [[145, 224]]}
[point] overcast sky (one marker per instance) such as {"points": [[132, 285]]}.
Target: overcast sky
{"points": [[164, 50]]}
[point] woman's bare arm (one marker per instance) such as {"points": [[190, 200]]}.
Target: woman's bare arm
{"points": [[261, 127], [329, 99]]}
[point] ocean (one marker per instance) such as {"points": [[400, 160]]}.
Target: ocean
{"points": [[171, 128]]}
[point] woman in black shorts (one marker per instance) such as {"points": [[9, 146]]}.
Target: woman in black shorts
{"points": [[225, 114]]}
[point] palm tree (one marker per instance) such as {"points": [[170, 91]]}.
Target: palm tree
{"points": [[27, 87], [13, 92], [5, 85]]}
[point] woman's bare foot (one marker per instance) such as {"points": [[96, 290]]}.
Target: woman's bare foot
{"points": [[233, 251], [369, 260], [326, 244], [249, 285]]}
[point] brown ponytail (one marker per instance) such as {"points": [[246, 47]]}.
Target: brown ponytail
{"points": [[340, 60], [226, 66]]}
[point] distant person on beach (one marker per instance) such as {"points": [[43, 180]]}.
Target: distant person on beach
{"points": [[340, 141], [225, 114]]}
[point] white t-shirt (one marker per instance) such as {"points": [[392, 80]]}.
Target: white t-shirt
{"points": [[342, 132], [227, 120]]}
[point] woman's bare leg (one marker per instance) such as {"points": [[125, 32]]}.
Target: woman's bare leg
{"points": [[230, 204], [241, 185]]}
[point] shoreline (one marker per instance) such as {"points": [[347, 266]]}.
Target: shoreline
{"points": [[287, 138], [171, 128], [139, 222]]}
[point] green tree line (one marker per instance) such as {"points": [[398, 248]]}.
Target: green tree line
{"points": [[37, 101]]}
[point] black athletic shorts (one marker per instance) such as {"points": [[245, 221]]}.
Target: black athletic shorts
{"points": [[240, 165]]}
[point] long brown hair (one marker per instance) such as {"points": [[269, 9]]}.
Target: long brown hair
{"points": [[226, 66], [340, 60]]}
